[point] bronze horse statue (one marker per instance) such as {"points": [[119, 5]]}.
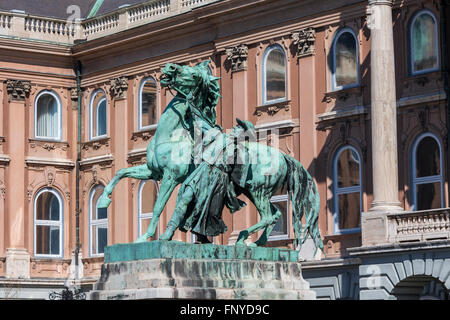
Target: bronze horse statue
{"points": [[170, 160]]}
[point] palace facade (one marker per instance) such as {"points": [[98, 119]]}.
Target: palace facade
{"points": [[357, 91]]}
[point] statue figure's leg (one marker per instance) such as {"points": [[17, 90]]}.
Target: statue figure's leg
{"points": [[168, 184], [141, 172], [276, 214], [263, 205], [183, 201]]}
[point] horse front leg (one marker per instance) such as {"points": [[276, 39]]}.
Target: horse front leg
{"points": [[141, 172], [168, 184], [183, 201]]}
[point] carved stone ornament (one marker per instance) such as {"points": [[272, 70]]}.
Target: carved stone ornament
{"points": [[18, 89], [305, 40], [119, 87], [238, 57], [74, 94]]}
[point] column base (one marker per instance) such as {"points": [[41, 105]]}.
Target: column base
{"points": [[374, 228], [386, 206], [17, 263]]}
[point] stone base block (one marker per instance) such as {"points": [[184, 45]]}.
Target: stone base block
{"points": [[199, 272], [17, 263]]}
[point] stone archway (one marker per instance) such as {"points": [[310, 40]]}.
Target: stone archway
{"points": [[421, 287]]}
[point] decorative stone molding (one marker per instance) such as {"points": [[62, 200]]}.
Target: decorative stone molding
{"points": [[43, 162], [237, 55], [305, 41], [74, 94], [47, 145], [119, 87], [18, 89], [96, 144], [137, 157], [272, 109], [143, 135], [50, 267], [100, 160]]}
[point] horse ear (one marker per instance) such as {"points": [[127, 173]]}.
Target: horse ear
{"points": [[203, 63]]}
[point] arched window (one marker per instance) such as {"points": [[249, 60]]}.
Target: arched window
{"points": [[148, 191], [345, 64], [98, 223], [48, 116], [274, 74], [424, 43], [48, 223], [148, 109], [98, 118], [347, 194], [427, 177]]}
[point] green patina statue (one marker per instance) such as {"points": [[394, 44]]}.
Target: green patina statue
{"points": [[213, 167]]}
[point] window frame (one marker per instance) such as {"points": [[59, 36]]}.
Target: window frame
{"points": [[338, 34], [59, 117], [264, 75], [276, 199], [141, 215], [337, 191], [141, 87], [91, 113], [428, 179], [49, 223], [410, 47], [96, 223]]}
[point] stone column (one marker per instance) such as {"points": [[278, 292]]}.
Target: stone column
{"points": [[237, 56], [383, 109], [17, 256], [122, 232], [384, 124]]}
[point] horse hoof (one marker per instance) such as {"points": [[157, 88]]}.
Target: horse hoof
{"points": [[141, 239], [104, 202], [165, 237]]}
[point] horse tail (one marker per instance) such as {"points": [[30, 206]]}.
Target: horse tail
{"points": [[305, 200]]}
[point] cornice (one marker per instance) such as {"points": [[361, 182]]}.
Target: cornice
{"points": [[26, 45]]}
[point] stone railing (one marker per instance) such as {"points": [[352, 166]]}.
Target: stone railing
{"points": [[419, 225], [23, 26]]}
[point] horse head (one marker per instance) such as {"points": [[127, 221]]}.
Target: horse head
{"points": [[196, 83]]}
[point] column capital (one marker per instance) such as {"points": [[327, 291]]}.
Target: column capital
{"points": [[305, 40], [238, 57], [17, 89], [119, 87], [381, 2]]}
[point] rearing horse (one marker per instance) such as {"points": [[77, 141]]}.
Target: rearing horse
{"points": [[166, 156]]}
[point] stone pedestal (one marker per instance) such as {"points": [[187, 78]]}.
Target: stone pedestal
{"points": [[178, 270], [17, 263]]}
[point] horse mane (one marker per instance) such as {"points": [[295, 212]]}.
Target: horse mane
{"points": [[209, 89]]}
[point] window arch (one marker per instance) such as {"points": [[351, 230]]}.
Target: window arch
{"points": [[48, 223], [347, 192], [274, 75], [98, 114], [345, 60], [98, 223], [148, 191], [148, 106], [424, 43], [427, 176], [47, 116]]}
